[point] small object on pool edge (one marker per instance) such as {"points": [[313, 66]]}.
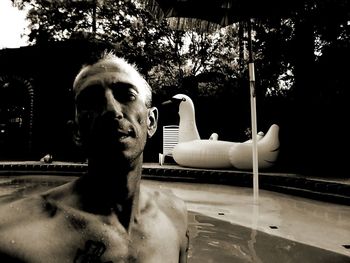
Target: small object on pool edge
{"points": [[47, 158]]}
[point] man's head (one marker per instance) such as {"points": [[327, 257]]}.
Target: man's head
{"points": [[113, 108]]}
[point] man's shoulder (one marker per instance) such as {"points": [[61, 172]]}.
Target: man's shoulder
{"points": [[17, 215], [175, 210], [164, 197], [173, 206], [14, 207], [13, 210], [20, 202]]}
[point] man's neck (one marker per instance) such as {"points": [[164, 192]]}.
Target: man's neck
{"points": [[111, 188]]}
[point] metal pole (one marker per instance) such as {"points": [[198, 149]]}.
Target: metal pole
{"points": [[94, 8], [253, 115]]}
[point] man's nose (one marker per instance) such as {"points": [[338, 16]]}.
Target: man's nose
{"points": [[113, 106]]}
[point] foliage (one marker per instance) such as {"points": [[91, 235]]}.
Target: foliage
{"points": [[210, 62], [166, 57], [273, 65]]}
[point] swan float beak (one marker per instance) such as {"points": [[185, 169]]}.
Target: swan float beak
{"points": [[173, 100]]}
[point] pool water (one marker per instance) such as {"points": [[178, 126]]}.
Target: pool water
{"points": [[225, 226], [214, 240]]}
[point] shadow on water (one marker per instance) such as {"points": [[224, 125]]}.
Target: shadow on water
{"points": [[213, 240]]}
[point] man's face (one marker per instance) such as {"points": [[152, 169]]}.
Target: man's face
{"points": [[113, 119]]}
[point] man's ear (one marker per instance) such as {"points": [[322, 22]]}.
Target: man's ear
{"points": [[152, 121], [74, 131]]}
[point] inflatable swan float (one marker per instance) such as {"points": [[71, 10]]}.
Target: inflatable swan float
{"points": [[192, 151]]}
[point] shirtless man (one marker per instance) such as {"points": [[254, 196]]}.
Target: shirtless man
{"points": [[104, 215]]}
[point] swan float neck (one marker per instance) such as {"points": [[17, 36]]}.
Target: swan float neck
{"points": [[187, 127]]}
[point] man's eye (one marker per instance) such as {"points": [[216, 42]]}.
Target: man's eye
{"points": [[131, 96], [89, 99], [86, 103], [126, 96], [124, 92]]}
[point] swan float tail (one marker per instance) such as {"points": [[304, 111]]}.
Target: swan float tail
{"points": [[268, 150]]}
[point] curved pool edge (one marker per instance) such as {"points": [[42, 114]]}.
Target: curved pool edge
{"points": [[323, 189]]}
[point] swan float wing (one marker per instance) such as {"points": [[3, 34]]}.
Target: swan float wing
{"points": [[203, 154], [216, 154]]}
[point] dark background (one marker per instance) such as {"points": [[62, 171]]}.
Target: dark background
{"points": [[313, 132]]}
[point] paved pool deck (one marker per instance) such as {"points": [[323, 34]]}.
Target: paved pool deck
{"points": [[330, 189]]}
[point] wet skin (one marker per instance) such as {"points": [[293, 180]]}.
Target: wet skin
{"points": [[49, 228], [104, 216]]}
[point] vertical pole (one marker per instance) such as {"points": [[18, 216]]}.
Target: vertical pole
{"points": [[253, 115], [94, 7]]}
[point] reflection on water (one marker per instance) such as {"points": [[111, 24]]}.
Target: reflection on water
{"points": [[214, 240], [211, 239]]}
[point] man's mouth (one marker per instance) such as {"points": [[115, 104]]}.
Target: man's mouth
{"points": [[122, 134]]}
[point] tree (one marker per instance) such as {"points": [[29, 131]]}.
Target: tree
{"points": [[167, 56], [121, 23]]}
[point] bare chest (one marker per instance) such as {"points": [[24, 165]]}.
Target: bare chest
{"points": [[70, 237]]}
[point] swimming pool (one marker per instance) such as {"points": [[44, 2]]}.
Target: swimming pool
{"points": [[227, 226]]}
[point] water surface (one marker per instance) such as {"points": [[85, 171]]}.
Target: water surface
{"points": [[211, 239]]}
